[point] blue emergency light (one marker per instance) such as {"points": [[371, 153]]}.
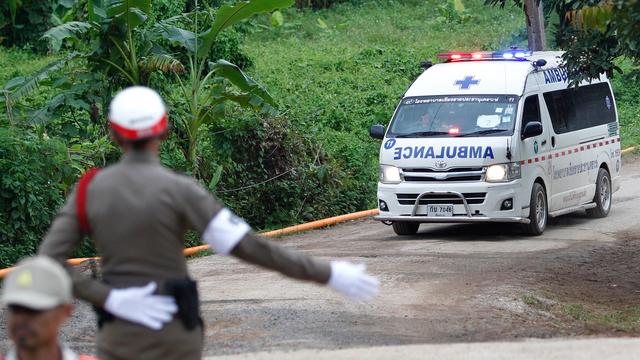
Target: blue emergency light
{"points": [[511, 54]]}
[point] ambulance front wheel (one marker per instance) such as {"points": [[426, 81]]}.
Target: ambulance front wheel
{"points": [[405, 227], [538, 211], [602, 198]]}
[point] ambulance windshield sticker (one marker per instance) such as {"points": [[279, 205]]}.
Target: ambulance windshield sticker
{"points": [[455, 99], [506, 119], [488, 121]]}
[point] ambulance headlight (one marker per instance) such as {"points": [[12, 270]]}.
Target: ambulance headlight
{"points": [[389, 174], [503, 172]]}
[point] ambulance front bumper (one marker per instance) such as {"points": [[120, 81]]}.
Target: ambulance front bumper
{"points": [[472, 202]]}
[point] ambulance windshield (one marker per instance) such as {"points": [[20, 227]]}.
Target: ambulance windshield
{"points": [[445, 116]]}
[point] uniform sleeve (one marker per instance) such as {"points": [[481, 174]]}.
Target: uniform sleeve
{"points": [[198, 205], [60, 241], [262, 252]]}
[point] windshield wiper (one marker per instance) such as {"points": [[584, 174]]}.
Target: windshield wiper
{"points": [[421, 134], [484, 132]]}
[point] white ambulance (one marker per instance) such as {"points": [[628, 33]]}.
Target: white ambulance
{"points": [[498, 137]]}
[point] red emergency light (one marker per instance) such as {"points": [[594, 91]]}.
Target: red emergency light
{"points": [[454, 130], [511, 54]]}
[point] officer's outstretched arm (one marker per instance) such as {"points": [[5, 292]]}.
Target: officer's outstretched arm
{"points": [[228, 234]]}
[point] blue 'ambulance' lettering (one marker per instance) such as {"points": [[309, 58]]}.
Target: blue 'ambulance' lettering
{"points": [[450, 152], [555, 75]]}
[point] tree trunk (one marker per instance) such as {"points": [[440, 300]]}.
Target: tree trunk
{"points": [[535, 25]]}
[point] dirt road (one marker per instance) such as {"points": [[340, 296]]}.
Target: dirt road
{"points": [[448, 283]]}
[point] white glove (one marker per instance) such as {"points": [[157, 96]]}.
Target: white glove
{"points": [[352, 280], [140, 306]]}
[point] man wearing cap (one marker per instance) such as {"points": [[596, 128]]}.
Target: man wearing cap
{"points": [[137, 213], [38, 295]]}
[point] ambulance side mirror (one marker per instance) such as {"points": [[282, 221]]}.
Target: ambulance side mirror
{"points": [[377, 131], [533, 128]]}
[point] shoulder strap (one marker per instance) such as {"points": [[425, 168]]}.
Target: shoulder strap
{"points": [[81, 201]]}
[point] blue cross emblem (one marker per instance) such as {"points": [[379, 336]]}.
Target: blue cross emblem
{"points": [[466, 82]]}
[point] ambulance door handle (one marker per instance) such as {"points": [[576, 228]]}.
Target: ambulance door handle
{"points": [[544, 142], [553, 141]]}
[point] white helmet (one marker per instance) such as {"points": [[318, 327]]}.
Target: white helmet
{"points": [[137, 113]]}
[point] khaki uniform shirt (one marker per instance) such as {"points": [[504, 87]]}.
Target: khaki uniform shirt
{"points": [[138, 212]]}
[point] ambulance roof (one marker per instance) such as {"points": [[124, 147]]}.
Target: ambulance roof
{"points": [[475, 77]]}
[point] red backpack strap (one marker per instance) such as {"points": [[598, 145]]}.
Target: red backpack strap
{"points": [[81, 201]]}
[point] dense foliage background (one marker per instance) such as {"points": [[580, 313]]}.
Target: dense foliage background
{"points": [[334, 68]]}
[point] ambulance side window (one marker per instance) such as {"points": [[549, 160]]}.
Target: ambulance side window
{"points": [[581, 108], [531, 110], [562, 109]]}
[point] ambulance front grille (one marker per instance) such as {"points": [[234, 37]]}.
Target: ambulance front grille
{"points": [[472, 198], [453, 174]]}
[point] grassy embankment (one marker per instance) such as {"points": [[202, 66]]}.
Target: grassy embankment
{"points": [[339, 80], [336, 72]]}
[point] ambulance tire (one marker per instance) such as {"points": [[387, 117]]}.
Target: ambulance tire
{"points": [[602, 198], [405, 227], [538, 211]]}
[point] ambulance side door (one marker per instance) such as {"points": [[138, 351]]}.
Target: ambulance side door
{"points": [[535, 150], [559, 108]]}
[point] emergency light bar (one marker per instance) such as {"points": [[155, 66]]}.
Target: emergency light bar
{"points": [[513, 54]]}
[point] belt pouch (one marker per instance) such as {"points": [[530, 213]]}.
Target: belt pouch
{"points": [[185, 291]]}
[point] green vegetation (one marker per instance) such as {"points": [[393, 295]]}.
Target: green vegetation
{"points": [[32, 173], [627, 92], [626, 319], [580, 26], [338, 71]]}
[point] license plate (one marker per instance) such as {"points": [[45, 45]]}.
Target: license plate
{"points": [[439, 210]]}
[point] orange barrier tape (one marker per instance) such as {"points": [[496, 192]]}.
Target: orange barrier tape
{"points": [[74, 262], [320, 223], [288, 230]]}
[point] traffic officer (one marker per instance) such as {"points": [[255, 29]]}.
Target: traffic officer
{"points": [[38, 295], [137, 213]]}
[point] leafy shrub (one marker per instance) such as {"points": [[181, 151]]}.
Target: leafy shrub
{"points": [[30, 20], [228, 47], [272, 175], [316, 4], [164, 9], [627, 93], [32, 174]]}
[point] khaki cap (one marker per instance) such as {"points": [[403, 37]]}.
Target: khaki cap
{"points": [[38, 283]]}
